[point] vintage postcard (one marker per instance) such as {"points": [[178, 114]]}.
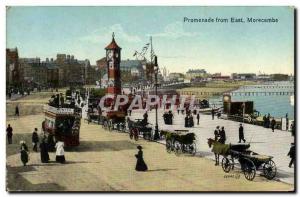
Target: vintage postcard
{"points": [[150, 99]]}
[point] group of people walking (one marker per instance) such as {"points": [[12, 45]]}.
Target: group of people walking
{"points": [[269, 122], [168, 118], [44, 147], [220, 134]]}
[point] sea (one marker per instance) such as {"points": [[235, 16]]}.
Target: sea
{"points": [[277, 105]]}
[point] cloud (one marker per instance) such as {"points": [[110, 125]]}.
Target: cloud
{"points": [[105, 33], [175, 30]]}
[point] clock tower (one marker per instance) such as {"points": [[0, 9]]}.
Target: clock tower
{"points": [[113, 59]]}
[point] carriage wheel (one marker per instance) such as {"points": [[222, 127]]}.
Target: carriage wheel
{"points": [[192, 148], [269, 169], [249, 169], [226, 165], [178, 148], [169, 146]]}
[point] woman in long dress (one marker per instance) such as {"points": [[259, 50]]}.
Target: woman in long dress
{"points": [[24, 152], [60, 153], [140, 163], [44, 151]]}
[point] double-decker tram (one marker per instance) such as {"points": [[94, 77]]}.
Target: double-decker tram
{"points": [[62, 123]]}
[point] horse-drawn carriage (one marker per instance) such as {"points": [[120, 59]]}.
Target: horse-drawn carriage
{"points": [[249, 161], [180, 141], [113, 120], [140, 127]]}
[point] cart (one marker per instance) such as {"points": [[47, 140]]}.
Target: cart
{"points": [[250, 162]]}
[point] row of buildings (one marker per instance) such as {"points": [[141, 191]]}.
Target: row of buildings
{"points": [[65, 70], [200, 75]]}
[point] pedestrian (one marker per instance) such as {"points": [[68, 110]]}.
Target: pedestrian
{"points": [[222, 135], [265, 121], [9, 134], [129, 112], [198, 118], [268, 120], [44, 151], [60, 153], [140, 163], [145, 116], [293, 129], [241, 134], [17, 112], [186, 121], [35, 139], [212, 114], [287, 121], [62, 100], [292, 154], [24, 153], [191, 121], [216, 133], [273, 123], [170, 117], [178, 110]]}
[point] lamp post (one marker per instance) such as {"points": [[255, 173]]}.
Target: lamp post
{"points": [[156, 132]]}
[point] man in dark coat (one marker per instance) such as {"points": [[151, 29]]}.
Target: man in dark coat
{"points": [[198, 118], [241, 134], [273, 123], [35, 140], [222, 134], [140, 163], [170, 117], [9, 133], [145, 118], [292, 154], [265, 121], [17, 112], [44, 151], [186, 121], [212, 114], [216, 133]]}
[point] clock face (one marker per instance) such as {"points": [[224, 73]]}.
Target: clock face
{"points": [[226, 98], [110, 54], [117, 55], [111, 65]]}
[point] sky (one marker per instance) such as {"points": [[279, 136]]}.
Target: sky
{"points": [[217, 47]]}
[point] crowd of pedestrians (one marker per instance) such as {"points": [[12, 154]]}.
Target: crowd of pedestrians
{"points": [[42, 146]]}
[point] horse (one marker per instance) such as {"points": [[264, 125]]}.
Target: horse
{"points": [[218, 149], [212, 142]]}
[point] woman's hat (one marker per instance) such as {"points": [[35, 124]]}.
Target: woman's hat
{"points": [[22, 142], [139, 147]]}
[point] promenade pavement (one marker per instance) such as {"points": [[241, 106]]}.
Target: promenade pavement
{"points": [[105, 161], [262, 140]]}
